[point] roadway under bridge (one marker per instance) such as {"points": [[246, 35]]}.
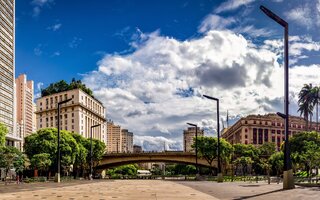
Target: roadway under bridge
{"points": [[117, 159]]}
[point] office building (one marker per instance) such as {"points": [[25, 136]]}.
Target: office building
{"points": [[7, 70], [77, 115], [258, 129], [188, 136], [127, 141], [24, 107], [114, 137]]}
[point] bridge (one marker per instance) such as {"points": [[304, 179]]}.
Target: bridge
{"points": [[117, 159]]}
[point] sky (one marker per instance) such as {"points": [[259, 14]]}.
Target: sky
{"points": [[150, 62]]}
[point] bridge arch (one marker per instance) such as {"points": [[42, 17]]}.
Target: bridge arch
{"points": [[117, 159]]}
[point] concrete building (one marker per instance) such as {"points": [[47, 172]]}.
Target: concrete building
{"points": [[114, 138], [258, 129], [188, 136], [137, 149], [7, 70], [24, 107], [126, 141], [78, 115]]}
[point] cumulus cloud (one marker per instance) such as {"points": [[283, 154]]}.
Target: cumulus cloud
{"points": [[157, 88]]}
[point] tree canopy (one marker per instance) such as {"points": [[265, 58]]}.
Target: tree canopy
{"points": [[62, 86]]}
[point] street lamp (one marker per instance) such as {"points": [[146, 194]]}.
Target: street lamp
{"points": [[194, 125], [91, 162], [220, 177], [57, 177], [288, 182]]}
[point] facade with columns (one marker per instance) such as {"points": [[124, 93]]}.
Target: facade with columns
{"points": [[258, 129], [77, 115]]}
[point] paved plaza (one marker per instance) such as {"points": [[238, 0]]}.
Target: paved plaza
{"points": [[153, 190]]}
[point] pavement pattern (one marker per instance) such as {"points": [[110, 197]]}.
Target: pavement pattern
{"points": [[153, 190]]}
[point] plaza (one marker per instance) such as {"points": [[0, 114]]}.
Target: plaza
{"points": [[154, 189]]}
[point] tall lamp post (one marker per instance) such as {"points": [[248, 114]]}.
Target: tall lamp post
{"points": [[288, 182], [57, 177], [91, 161], [220, 177], [194, 125]]}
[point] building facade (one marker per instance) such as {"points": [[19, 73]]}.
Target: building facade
{"points": [[7, 70], [127, 141], [188, 136], [258, 129], [77, 115], [24, 107], [137, 149], [114, 138]]}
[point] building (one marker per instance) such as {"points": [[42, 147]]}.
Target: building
{"points": [[7, 70], [77, 115], [126, 141], [258, 129], [114, 137], [188, 136], [24, 107], [137, 149]]}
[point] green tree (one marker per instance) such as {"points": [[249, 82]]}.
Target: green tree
{"points": [[306, 102], [3, 133], [80, 161], [277, 161], [244, 156], [266, 150], [41, 162], [98, 150], [207, 149], [8, 158], [305, 148]]}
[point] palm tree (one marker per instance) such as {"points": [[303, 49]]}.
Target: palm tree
{"points": [[306, 102], [316, 101]]}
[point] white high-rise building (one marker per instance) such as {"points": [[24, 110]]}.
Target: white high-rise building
{"points": [[7, 70]]}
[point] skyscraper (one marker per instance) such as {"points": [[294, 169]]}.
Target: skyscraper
{"points": [[7, 69], [24, 107]]}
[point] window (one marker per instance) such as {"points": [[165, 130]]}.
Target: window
{"points": [[254, 122], [246, 130], [254, 136], [72, 114]]}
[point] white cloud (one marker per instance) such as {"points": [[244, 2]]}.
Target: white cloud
{"points": [[306, 15], [75, 42], [39, 4], [157, 88], [232, 5], [54, 27], [57, 53], [38, 50], [216, 22]]}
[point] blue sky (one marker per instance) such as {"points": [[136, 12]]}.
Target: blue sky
{"points": [[149, 62]]}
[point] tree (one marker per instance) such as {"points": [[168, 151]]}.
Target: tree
{"points": [[41, 162], [315, 93], [245, 155], [277, 161], [3, 133], [62, 86], [8, 158], [305, 150], [266, 150], [80, 161], [207, 149], [98, 150], [306, 102], [46, 141]]}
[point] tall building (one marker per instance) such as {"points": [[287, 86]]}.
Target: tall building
{"points": [[188, 136], [137, 149], [78, 115], [258, 129], [7, 70], [24, 107], [114, 137], [127, 141]]}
